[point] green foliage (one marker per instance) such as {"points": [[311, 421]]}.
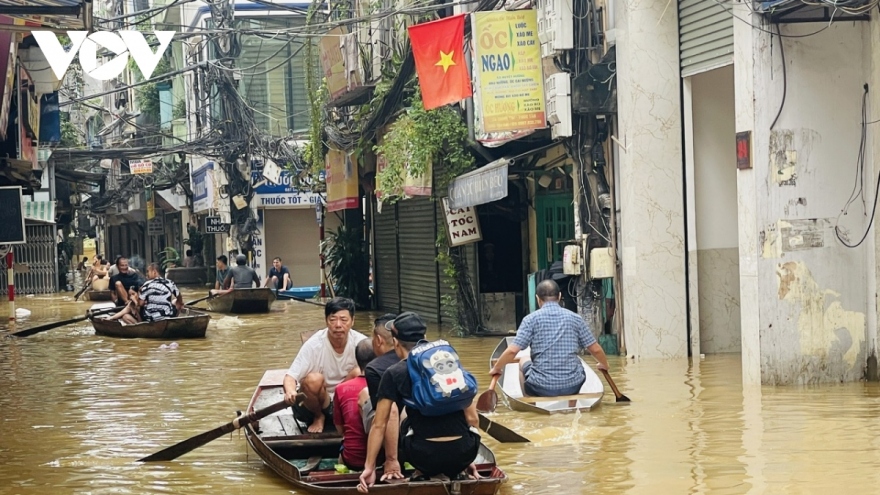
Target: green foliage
{"points": [[71, 136], [418, 139], [346, 252], [147, 96], [314, 151], [196, 241], [179, 111], [169, 257]]}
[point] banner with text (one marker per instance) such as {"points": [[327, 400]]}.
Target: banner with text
{"points": [[342, 181], [203, 187], [284, 194], [507, 66]]}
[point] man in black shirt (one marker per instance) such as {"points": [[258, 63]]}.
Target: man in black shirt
{"points": [[434, 445], [383, 346], [124, 280]]}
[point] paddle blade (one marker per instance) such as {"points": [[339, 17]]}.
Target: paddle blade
{"points": [[487, 402], [48, 326], [500, 432], [619, 397], [197, 441], [189, 444], [81, 291]]}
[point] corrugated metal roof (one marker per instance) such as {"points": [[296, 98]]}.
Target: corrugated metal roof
{"points": [[41, 3], [66, 14]]}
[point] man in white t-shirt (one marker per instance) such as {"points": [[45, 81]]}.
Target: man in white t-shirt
{"points": [[325, 360]]}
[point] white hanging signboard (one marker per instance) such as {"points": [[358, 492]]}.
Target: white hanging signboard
{"points": [[462, 225]]}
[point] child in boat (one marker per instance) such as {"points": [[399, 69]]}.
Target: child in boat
{"points": [[347, 411], [130, 314]]}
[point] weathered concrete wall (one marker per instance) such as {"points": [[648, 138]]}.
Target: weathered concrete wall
{"points": [[804, 296], [651, 180], [714, 198], [873, 65]]}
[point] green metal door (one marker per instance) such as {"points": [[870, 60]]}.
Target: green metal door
{"points": [[555, 214]]}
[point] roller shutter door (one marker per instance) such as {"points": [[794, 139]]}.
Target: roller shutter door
{"points": [[705, 31], [417, 233], [294, 236], [385, 260]]}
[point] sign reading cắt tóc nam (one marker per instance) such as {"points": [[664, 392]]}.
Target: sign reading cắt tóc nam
{"points": [[462, 225]]}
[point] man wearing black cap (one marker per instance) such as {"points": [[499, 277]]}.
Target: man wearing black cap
{"points": [[240, 276], [434, 445]]}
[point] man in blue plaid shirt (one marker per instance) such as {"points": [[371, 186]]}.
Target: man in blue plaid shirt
{"points": [[554, 336]]}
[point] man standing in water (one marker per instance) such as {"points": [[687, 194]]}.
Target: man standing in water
{"points": [[324, 361], [555, 335]]}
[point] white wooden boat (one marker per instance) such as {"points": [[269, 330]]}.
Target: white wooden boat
{"points": [[511, 384]]}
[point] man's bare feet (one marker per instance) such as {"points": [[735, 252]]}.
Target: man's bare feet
{"points": [[317, 425]]}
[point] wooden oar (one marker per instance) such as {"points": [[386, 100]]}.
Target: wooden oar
{"points": [[617, 395], [209, 296], [197, 441], [499, 432], [488, 400], [81, 291], [50, 326]]}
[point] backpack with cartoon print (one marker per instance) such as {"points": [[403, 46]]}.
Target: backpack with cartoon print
{"points": [[439, 383]]}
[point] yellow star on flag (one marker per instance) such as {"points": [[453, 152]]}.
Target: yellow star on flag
{"points": [[446, 60]]}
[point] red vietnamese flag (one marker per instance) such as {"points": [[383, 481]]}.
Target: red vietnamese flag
{"points": [[438, 50]]}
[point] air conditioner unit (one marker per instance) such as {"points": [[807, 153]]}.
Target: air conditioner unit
{"points": [[559, 109], [135, 202], [561, 130], [555, 26], [558, 84]]}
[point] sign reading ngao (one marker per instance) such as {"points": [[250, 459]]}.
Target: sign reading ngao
{"points": [[510, 77]]}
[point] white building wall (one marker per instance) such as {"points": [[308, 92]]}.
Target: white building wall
{"points": [[804, 296], [651, 180]]}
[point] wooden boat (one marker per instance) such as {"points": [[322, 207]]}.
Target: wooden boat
{"points": [[511, 383], [97, 295], [307, 460], [242, 301], [190, 324]]}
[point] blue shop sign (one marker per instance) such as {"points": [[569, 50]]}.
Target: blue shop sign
{"points": [[286, 185]]}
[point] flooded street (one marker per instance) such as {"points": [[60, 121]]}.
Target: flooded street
{"points": [[78, 410]]}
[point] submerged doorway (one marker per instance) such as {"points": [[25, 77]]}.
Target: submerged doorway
{"points": [[713, 250]]}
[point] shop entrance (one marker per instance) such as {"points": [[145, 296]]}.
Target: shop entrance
{"points": [[555, 224]]}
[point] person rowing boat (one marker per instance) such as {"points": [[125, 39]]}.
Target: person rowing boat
{"points": [[554, 336]]}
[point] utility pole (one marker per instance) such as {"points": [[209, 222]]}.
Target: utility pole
{"points": [[236, 163]]}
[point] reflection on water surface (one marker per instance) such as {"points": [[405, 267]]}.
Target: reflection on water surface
{"points": [[78, 409]]}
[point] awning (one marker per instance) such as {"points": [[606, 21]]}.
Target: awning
{"points": [[483, 185], [20, 173], [39, 211], [63, 14], [163, 203]]}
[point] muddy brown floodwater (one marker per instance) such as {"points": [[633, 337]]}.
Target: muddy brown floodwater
{"points": [[77, 410]]}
